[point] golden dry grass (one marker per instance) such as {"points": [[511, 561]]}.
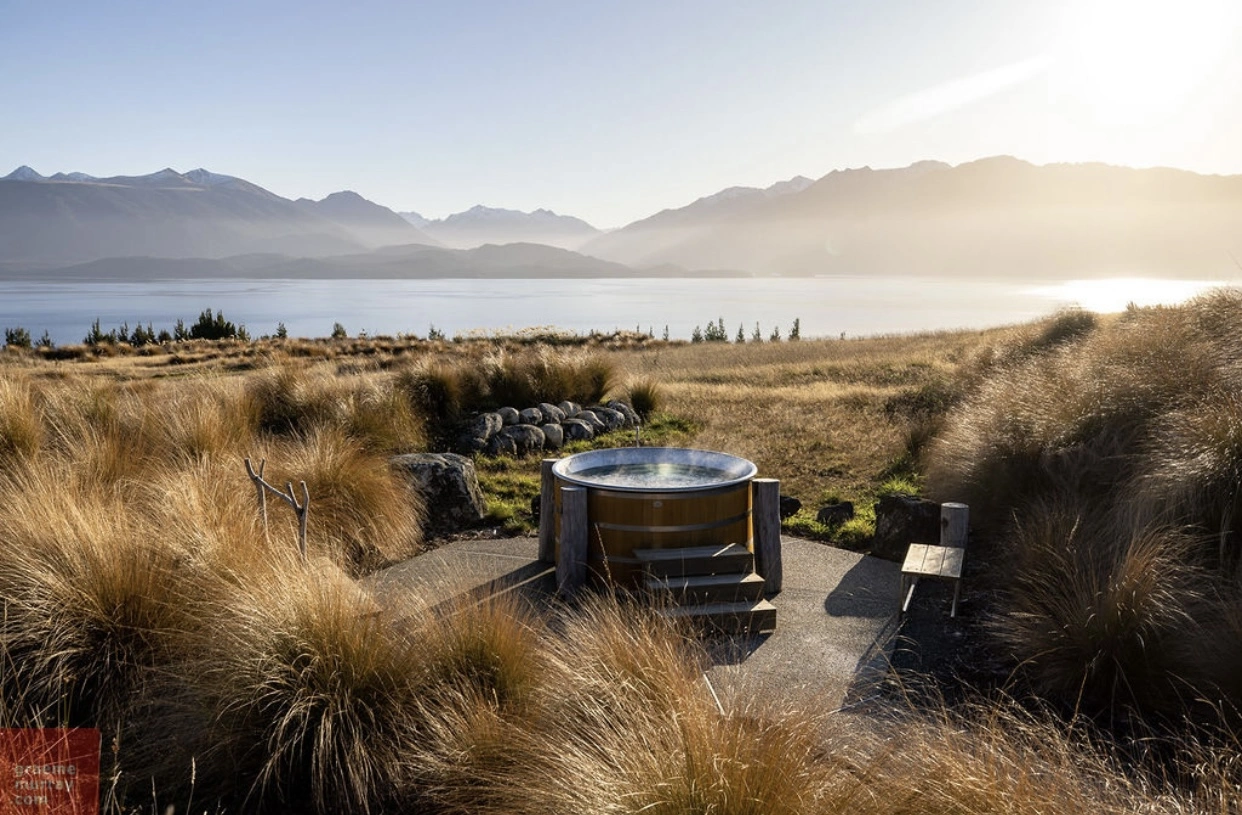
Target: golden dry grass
{"points": [[145, 596]]}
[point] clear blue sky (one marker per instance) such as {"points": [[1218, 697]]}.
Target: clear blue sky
{"points": [[608, 110]]}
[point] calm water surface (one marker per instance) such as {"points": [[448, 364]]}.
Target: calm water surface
{"points": [[826, 307]]}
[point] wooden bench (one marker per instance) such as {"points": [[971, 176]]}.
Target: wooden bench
{"points": [[938, 562]]}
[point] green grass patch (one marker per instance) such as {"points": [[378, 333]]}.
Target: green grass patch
{"points": [[509, 484]]}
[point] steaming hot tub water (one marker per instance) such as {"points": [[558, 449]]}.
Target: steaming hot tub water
{"points": [[656, 498], [659, 469], [650, 475]]}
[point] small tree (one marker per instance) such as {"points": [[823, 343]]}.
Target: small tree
{"points": [[282, 333], [16, 338], [795, 331], [666, 332], [338, 332], [215, 327], [776, 334], [96, 336], [696, 335], [756, 336], [45, 341], [180, 332], [142, 336], [715, 332], [741, 334]]}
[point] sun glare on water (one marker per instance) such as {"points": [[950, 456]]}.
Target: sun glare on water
{"points": [[1111, 295]]}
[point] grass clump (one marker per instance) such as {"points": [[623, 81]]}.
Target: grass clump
{"points": [[1103, 472], [644, 397], [316, 698], [448, 388]]}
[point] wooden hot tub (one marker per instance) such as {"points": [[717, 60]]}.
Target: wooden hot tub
{"points": [[656, 498]]}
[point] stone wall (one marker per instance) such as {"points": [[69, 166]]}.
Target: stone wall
{"points": [[513, 432]]}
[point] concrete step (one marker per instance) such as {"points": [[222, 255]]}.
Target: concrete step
{"points": [[731, 558], [708, 588], [729, 618]]}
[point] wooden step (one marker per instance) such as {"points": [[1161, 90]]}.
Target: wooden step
{"points": [[729, 618], [731, 558], [708, 588]]}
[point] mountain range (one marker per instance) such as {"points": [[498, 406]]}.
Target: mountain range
{"points": [[996, 217], [481, 225]]}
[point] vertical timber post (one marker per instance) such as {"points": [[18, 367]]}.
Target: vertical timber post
{"points": [[954, 523], [767, 522], [572, 559], [547, 511]]}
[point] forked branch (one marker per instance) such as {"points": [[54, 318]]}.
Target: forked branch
{"points": [[301, 510]]}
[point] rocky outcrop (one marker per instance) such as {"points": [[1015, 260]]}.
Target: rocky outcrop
{"points": [[449, 487]]}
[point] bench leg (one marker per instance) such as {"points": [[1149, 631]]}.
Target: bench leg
{"points": [[957, 589], [907, 593]]}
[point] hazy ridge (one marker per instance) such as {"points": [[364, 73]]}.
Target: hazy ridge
{"points": [[996, 217]]}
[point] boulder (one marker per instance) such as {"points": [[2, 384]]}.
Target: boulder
{"points": [[612, 419], [478, 432], [570, 409], [531, 416], [631, 418], [577, 430], [508, 415], [553, 436], [502, 445], [901, 520], [449, 487], [527, 438], [551, 413], [486, 425], [789, 506], [835, 514], [588, 416]]}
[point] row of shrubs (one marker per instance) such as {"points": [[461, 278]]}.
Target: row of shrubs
{"points": [[1102, 460], [716, 332]]}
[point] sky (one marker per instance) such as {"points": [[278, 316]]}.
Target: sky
{"points": [[609, 111]]}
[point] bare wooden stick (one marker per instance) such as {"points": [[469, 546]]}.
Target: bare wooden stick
{"points": [[300, 510], [257, 478]]}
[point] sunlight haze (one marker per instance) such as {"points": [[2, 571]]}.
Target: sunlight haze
{"points": [[608, 112]]}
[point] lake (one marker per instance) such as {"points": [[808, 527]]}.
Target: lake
{"points": [[825, 307]]}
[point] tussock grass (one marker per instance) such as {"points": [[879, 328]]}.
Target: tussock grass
{"points": [[1104, 468], [365, 515], [315, 696], [94, 603], [150, 601], [21, 429], [448, 387]]}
